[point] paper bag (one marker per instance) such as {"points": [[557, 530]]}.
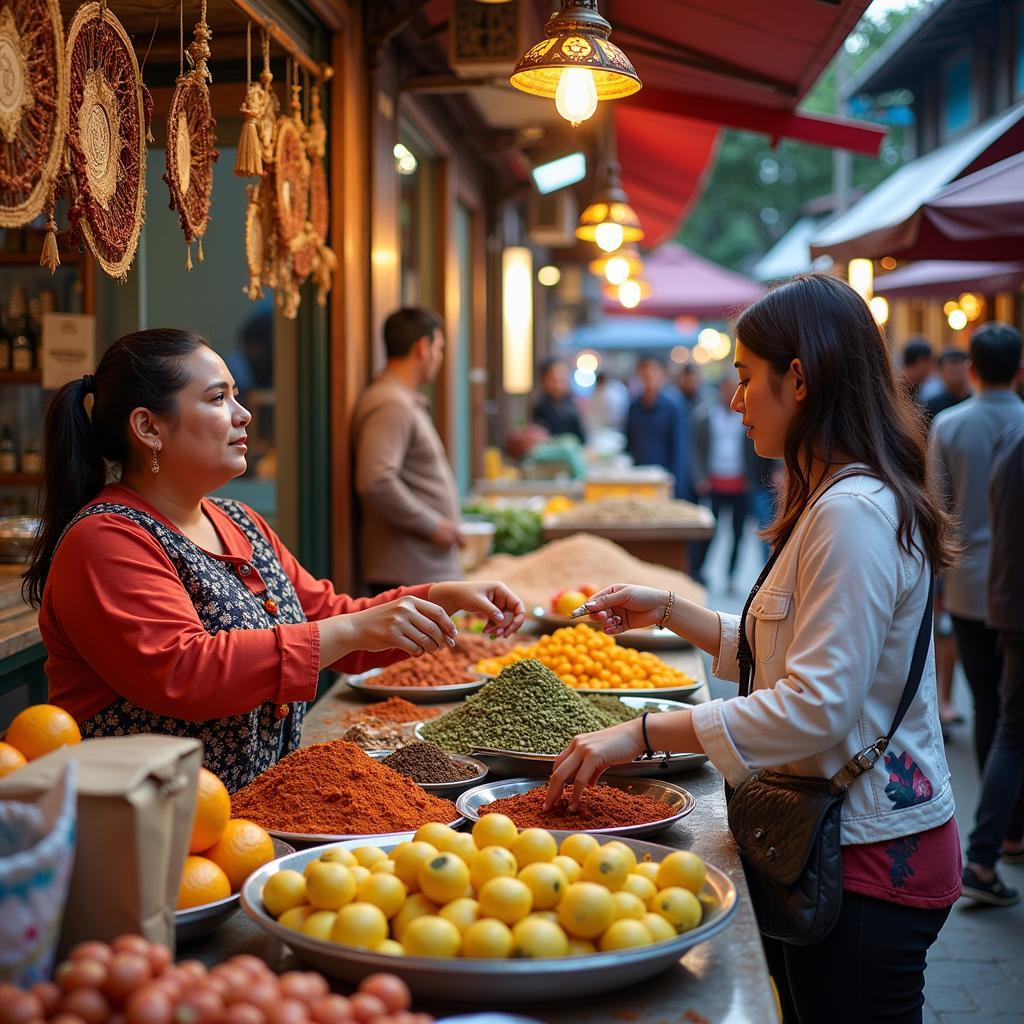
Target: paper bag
{"points": [[136, 802]]}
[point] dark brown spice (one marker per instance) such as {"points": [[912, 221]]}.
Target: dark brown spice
{"points": [[427, 762]]}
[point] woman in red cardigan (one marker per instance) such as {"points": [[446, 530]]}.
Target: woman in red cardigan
{"points": [[164, 610]]}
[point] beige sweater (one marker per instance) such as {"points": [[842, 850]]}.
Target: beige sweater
{"points": [[406, 487]]}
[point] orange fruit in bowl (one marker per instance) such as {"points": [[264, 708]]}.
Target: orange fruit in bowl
{"points": [[41, 728], [242, 849], [568, 602], [10, 758], [213, 811], [202, 882]]}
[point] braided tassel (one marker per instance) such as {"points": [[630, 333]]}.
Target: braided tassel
{"points": [[199, 252], [249, 158], [188, 256], [50, 256]]}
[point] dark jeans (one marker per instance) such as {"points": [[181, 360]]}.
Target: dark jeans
{"points": [[739, 505], [871, 968], [981, 657], [1002, 784]]}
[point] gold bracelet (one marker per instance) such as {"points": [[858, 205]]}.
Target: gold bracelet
{"points": [[668, 609]]}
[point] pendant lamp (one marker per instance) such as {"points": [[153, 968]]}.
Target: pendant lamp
{"points": [[619, 266], [609, 220]]}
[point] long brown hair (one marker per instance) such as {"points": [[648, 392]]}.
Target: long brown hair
{"points": [[854, 406]]}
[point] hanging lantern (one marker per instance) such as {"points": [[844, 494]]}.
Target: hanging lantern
{"points": [[616, 267], [630, 293], [575, 63], [610, 220]]}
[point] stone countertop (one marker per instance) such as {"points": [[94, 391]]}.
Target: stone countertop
{"points": [[19, 626]]}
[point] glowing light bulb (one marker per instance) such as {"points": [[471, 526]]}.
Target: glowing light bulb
{"points": [[957, 319], [576, 96], [629, 294], [616, 270], [880, 309], [608, 237]]}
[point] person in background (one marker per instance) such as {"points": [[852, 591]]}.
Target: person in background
{"points": [[956, 382], [607, 406], [656, 429], [556, 410], [918, 364], [963, 441], [720, 464], [690, 381], [1003, 781], [410, 502], [765, 478]]}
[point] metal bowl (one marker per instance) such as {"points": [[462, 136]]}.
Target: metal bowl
{"points": [[663, 692], [363, 684], [674, 797], [513, 763], [373, 839], [494, 981], [17, 535], [197, 922], [653, 638], [444, 788]]}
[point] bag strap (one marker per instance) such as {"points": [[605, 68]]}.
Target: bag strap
{"points": [[865, 759]]}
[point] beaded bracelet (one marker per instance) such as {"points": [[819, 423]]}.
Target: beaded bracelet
{"points": [[668, 609]]}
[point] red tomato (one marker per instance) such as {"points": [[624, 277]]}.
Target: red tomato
{"points": [[389, 989]]}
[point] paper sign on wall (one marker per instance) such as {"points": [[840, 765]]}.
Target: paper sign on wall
{"points": [[69, 347]]}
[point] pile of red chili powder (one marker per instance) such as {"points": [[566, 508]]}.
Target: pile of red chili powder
{"points": [[335, 789], [600, 807]]}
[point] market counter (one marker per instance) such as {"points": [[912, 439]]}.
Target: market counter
{"points": [[21, 649]]}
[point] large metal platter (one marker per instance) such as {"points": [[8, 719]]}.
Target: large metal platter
{"points": [[363, 685], [492, 982], [674, 797], [650, 639], [359, 840], [514, 763], [653, 692], [197, 922], [445, 789]]}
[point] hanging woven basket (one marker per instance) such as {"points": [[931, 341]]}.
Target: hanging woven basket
{"points": [[33, 84], [291, 181], [106, 137]]}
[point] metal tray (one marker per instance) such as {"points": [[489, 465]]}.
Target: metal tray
{"points": [[444, 788], [650, 639], [650, 692], [491, 982], [363, 685], [678, 799], [373, 839], [515, 763], [197, 922]]}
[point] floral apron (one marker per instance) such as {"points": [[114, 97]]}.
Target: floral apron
{"points": [[239, 748]]}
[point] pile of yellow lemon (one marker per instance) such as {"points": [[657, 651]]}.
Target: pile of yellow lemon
{"points": [[583, 657], [492, 894]]}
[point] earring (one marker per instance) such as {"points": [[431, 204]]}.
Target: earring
{"points": [[154, 466]]}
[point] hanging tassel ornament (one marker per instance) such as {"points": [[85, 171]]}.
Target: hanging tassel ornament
{"points": [[188, 256], [50, 257], [249, 161], [199, 251]]}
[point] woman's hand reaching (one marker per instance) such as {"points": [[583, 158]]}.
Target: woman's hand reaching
{"points": [[409, 624], [623, 606], [504, 611], [589, 754]]}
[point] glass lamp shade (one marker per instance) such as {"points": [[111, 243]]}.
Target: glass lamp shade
{"points": [[617, 267], [630, 293]]}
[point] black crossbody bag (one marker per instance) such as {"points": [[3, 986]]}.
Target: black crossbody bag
{"points": [[787, 827]]}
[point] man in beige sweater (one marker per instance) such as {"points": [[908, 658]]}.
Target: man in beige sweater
{"points": [[410, 503]]}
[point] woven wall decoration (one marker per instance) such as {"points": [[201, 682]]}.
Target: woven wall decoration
{"points": [[106, 137], [191, 142], [319, 197], [291, 180], [267, 105], [33, 82], [255, 243]]}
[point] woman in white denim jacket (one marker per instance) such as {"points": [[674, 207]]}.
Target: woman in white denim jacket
{"points": [[832, 631]]}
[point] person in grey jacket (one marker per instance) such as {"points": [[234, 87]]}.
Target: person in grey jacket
{"points": [[832, 628]]}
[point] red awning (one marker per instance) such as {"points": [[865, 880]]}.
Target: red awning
{"points": [[944, 279], [984, 206], [685, 284]]}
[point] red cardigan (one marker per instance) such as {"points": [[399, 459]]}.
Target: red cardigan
{"points": [[117, 622]]}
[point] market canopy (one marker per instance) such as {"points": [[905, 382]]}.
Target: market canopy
{"points": [[984, 206], [888, 220], [629, 334], [685, 284], [943, 279]]}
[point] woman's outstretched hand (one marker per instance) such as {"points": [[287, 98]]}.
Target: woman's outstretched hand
{"points": [[623, 606], [504, 611], [409, 624], [589, 754]]}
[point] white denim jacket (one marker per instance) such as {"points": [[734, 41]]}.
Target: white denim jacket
{"points": [[832, 631]]}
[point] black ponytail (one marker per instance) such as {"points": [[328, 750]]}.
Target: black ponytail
{"points": [[86, 430]]}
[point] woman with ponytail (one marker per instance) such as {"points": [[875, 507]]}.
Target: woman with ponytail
{"points": [[163, 610]]}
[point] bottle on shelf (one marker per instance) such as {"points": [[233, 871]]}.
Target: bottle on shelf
{"points": [[5, 345], [23, 341], [32, 457], [8, 452]]}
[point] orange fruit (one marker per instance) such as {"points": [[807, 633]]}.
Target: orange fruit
{"points": [[41, 728], [213, 811], [202, 881], [242, 849], [10, 758]]}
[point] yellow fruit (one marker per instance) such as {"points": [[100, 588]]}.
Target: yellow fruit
{"points": [[577, 846], [487, 939], [431, 935], [417, 905], [546, 882], [626, 852], [320, 925], [625, 933], [628, 906], [202, 882], [382, 890], [507, 899], [679, 907], [11, 758], [586, 910], [641, 887], [283, 891], [434, 832], [462, 845], [682, 868], [492, 862], [339, 855], [539, 938], [608, 866], [242, 849], [361, 925], [648, 869], [383, 867], [443, 878], [659, 928], [568, 602], [359, 873], [213, 811], [330, 886], [533, 846], [296, 917], [461, 912], [367, 856], [408, 859], [580, 947], [390, 948], [41, 728], [495, 830], [568, 867]]}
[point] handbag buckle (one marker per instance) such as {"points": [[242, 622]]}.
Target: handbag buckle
{"points": [[861, 762]]}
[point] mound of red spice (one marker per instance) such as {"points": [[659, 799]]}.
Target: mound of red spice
{"points": [[395, 709], [335, 789], [600, 807]]}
